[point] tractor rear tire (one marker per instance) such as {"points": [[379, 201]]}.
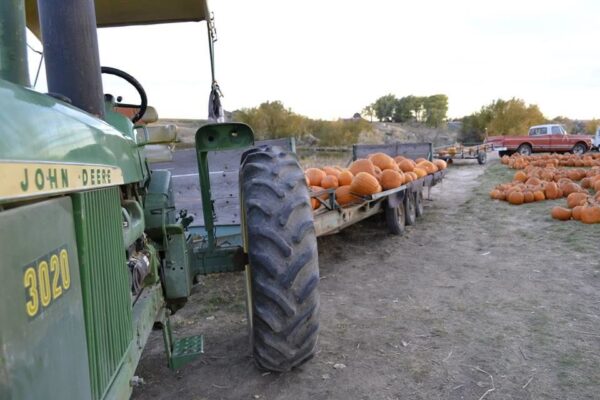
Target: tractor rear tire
{"points": [[282, 251]]}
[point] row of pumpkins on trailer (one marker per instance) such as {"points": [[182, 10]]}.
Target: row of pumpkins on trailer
{"points": [[550, 182], [367, 176]]}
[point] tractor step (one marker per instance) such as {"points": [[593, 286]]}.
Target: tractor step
{"points": [[185, 350]]}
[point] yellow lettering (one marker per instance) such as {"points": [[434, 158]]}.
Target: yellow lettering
{"points": [[55, 269], [44, 277], [64, 269], [30, 282]]}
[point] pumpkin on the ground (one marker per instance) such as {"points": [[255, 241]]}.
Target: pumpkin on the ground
{"points": [[516, 197], [561, 213], [590, 215]]}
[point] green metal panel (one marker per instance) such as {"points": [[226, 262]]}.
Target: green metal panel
{"points": [[159, 204], [13, 41], [177, 275], [105, 283], [37, 127], [43, 350]]}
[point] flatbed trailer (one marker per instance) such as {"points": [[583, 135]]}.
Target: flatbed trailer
{"points": [[401, 205], [467, 152]]}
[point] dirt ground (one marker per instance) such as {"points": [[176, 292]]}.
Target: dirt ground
{"points": [[479, 300]]}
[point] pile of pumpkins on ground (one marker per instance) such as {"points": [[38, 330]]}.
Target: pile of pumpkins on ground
{"points": [[541, 177], [367, 176]]}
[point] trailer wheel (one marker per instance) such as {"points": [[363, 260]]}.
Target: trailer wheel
{"points": [[410, 209], [283, 272], [419, 203], [481, 158], [395, 217]]}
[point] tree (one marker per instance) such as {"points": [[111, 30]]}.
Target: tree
{"points": [[272, 120], [384, 107], [591, 126], [369, 111], [406, 108], [436, 107], [513, 117]]}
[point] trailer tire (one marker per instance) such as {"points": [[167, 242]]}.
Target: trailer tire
{"points": [[481, 158], [419, 203], [283, 272], [395, 217], [410, 209]]}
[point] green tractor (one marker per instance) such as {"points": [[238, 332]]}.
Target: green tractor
{"points": [[94, 252]]}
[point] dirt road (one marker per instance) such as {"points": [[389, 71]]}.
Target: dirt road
{"points": [[479, 300]]}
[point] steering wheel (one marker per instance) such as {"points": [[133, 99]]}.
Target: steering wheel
{"points": [[133, 82]]}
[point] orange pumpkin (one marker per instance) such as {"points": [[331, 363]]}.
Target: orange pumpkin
{"points": [[344, 196], [345, 178], [314, 175], [329, 182], [576, 199], [441, 164], [551, 191], [538, 195], [520, 176], [362, 165], [561, 213], [331, 171], [407, 165], [427, 166], [315, 203], [590, 215], [577, 213], [516, 197], [383, 161], [495, 194], [391, 179], [365, 184], [420, 172], [528, 196]]}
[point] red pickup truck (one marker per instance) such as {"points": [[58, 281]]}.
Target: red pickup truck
{"points": [[543, 138]]}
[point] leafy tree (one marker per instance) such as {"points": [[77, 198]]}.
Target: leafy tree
{"points": [[513, 117], [436, 107], [502, 117], [384, 107], [591, 126], [369, 111], [272, 120], [406, 108]]}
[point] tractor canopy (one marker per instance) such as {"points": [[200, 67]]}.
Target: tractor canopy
{"points": [[111, 13]]}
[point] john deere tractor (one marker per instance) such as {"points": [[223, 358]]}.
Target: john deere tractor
{"points": [[95, 253]]}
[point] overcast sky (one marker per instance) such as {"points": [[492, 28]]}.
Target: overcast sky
{"points": [[328, 59]]}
